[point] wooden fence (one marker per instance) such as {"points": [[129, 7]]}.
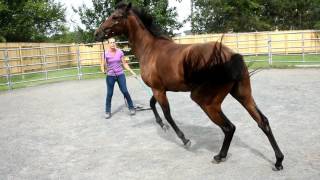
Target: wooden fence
{"points": [[28, 57], [260, 42]]}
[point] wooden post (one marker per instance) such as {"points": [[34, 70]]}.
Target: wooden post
{"points": [[237, 35], [302, 36], [21, 62], [57, 57]]}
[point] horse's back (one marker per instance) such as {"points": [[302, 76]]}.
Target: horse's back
{"points": [[179, 67], [212, 63]]}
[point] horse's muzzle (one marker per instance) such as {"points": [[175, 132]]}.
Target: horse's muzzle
{"points": [[99, 35]]}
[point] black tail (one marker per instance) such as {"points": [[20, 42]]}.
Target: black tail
{"points": [[234, 68], [213, 73]]}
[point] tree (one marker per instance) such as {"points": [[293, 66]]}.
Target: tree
{"points": [[254, 15], [223, 16], [93, 17], [64, 37], [289, 15], [30, 20]]}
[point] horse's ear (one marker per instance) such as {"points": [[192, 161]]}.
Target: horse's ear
{"points": [[129, 7], [117, 2]]}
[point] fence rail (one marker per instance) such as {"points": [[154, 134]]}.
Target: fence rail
{"points": [[24, 63]]}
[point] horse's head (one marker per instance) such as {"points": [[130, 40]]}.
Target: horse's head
{"points": [[115, 24]]}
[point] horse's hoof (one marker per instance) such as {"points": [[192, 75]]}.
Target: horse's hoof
{"points": [[277, 168], [187, 144], [165, 127], [217, 159]]}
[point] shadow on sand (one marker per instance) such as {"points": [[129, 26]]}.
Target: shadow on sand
{"points": [[209, 138]]}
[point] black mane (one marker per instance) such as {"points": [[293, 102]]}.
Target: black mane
{"points": [[147, 20]]}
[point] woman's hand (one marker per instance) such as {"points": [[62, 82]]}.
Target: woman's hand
{"points": [[127, 67]]}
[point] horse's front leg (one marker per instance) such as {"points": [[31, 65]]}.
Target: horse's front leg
{"points": [[162, 99], [153, 102]]}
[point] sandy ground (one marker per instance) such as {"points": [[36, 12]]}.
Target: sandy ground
{"points": [[58, 131]]}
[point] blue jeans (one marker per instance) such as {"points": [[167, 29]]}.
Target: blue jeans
{"points": [[121, 80]]}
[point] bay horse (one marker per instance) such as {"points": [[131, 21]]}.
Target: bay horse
{"points": [[210, 71]]}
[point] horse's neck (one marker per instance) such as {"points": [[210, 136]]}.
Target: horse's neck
{"points": [[139, 37]]}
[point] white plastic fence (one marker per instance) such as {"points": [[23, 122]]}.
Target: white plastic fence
{"points": [[79, 59]]}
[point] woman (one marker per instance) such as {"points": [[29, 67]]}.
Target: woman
{"points": [[112, 63]]}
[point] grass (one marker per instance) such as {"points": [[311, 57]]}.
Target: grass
{"points": [[282, 61], [34, 79], [27, 80]]}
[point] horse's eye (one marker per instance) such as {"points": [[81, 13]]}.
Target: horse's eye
{"points": [[115, 17]]}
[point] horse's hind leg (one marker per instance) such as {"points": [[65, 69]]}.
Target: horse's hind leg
{"points": [[242, 92], [153, 102], [161, 97], [228, 129], [213, 110]]}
